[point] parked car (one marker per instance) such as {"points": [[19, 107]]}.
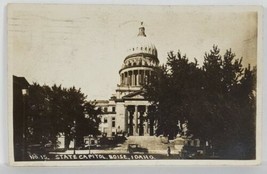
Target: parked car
{"points": [[36, 148], [192, 152], [135, 148]]}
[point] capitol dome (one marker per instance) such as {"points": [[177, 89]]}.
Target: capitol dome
{"points": [[140, 62], [142, 44]]}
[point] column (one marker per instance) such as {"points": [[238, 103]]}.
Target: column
{"points": [[146, 124], [136, 119], [127, 78], [130, 78], [133, 78], [122, 79], [130, 110], [126, 120], [142, 76], [137, 78], [151, 110], [141, 120], [145, 77], [109, 131]]}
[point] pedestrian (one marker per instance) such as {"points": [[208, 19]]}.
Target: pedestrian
{"points": [[179, 155], [168, 151]]}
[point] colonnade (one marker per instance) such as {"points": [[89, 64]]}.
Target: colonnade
{"points": [[137, 122], [135, 77]]}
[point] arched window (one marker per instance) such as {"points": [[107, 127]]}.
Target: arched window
{"points": [[143, 62]]}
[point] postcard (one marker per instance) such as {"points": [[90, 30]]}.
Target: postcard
{"points": [[134, 85]]}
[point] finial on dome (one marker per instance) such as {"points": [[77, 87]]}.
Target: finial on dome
{"points": [[142, 30]]}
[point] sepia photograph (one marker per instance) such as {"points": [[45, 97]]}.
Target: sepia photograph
{"points": [[133, 84]]}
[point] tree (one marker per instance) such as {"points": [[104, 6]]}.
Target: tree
{"points": [[217, 99], [88, 123], [39, 113], [225, 112], [171, 91], [56, 110]]}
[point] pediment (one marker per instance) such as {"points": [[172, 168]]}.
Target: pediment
{"points": [[135, 95]]}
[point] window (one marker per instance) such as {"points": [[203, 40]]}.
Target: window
{"points": [[113, 122], [92, 142], [113, 109], [113, 133], [105, 120], [105, 109]]}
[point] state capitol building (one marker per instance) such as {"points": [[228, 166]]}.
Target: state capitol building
{"points": [[126, 112]]}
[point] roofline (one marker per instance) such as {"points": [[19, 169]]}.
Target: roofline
{"points": [[21, 81], [143, 55], [136, 66]]}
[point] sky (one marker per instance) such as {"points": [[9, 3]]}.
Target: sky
{"points": [[85, 45]]}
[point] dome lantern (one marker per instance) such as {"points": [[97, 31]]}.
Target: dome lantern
{"points": [[142, 30], [141, 44]]}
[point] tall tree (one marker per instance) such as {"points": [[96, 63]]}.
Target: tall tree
{"points": [[88, 123], [56, 110], [172, 90], [217, 100], [39, 113]]}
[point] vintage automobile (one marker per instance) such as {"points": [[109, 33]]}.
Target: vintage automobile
{"points": [[135, 148]]}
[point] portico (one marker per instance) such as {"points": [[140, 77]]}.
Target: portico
{"points": [[137, 122]]}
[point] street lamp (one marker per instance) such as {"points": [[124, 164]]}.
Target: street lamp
{"points": [[74, 136], [89, 143], [25, 93]]}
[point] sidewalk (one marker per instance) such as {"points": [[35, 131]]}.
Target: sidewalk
{"points": [[115, 151]]}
